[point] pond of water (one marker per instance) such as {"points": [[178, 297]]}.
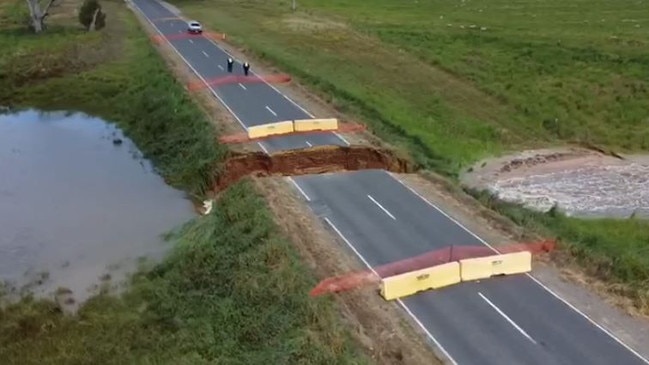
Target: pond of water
{"points": [[74, 206]]}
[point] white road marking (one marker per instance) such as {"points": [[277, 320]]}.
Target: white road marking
{"points": [[261, 145], [205, 54], [405, 307], [584, 315], [190, 41], [436, 208], [380, 206], [221, 67], [271, 110], [506, 317], [309, 144], [341, 138], [299, 189], [243, 87]]}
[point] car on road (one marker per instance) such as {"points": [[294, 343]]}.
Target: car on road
{"points": [[194, 27]]}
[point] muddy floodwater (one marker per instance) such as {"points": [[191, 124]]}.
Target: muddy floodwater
{"points": [[74, 206], [581, 183]]}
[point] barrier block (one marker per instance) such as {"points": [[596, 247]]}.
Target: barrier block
{"points": [[264, 130], [410, 283], [305, 125], [486, 267], [514, 263]]}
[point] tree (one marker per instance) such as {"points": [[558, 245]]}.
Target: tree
{"points": [[91, 16], [36, 15]]}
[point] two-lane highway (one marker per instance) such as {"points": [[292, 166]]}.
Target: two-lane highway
{"points": [[512, 320]]}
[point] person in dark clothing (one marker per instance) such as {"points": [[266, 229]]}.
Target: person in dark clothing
{"points": [[230, 63], [246, 68]]}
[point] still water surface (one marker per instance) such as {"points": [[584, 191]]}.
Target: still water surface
{"points": [[75, 205]]}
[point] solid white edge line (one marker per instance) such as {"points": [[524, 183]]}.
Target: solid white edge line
{"points": [[577, 310], [289, 178], [188, 64], [271, 110], [261, 145], [453, 220], [341, 138], [405, 307], [380, 206], [511, 321]]}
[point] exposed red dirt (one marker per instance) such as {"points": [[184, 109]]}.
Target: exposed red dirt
{"points": [[316, 160], [241, 79], [242, 137]]}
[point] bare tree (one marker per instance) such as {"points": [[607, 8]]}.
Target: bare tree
{"points": [[36, 15], [94, 19], [91, 16]]}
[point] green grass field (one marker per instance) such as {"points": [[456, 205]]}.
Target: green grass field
{"points": [[452, 95], [455, 81], [231, 292]]}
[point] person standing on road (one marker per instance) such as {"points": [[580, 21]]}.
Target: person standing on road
{"points": [[230, 63], [246, 68]]}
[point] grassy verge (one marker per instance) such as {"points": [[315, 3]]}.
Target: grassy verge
{"points": [[612, 250], [454, 82], [231, 292]]}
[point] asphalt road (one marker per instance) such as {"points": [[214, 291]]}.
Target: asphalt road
{"points": [[510, 320]]}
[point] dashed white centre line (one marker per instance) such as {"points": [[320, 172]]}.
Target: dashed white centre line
{"points": [[309, 144], [243, 87], [380, 206], [190, 41], [221, 67], [271, 110], [507, 318], [206, 55]]}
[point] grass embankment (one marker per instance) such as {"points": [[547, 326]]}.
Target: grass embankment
{"points": [[453, 82], [232, 291]]}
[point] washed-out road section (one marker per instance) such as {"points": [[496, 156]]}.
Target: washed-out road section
{"points": [[511, 320]]}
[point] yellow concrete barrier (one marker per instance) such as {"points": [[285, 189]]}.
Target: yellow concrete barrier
{"points": [[305, 125], [270, 129], [409, 283], [486, 267]]}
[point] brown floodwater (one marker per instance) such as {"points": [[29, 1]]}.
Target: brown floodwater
{"points": [[74, 206]]}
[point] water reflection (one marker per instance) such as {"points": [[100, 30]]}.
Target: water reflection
{"points": [[72, 203]]}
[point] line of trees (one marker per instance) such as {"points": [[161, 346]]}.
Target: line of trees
{"points": [[91, 15]]}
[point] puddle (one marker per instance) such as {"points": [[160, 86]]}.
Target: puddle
{"points": [[75, 206]]}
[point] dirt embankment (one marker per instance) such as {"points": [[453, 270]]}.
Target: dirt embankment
{"points": [[316, 160]]}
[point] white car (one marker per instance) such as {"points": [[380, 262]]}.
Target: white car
{"points": [[194, 27]]}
